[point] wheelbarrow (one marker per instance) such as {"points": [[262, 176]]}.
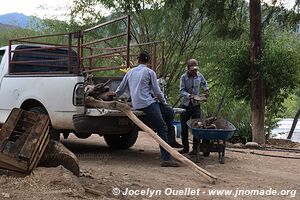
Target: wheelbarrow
{"points": [[212, 140]]}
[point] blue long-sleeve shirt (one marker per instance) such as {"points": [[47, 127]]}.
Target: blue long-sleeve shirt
{"points": [[191, 85], [141, 83]]}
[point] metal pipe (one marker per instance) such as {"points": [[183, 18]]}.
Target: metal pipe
{"points": [[70, 53], [104, 24], [9, 57], [96, 69], [41, 36], [105, 55], [39, 48], [104, 39], [128, 42]]}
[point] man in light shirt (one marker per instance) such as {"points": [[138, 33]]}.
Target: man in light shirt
{"points": [[141, 82], [190, 83]]}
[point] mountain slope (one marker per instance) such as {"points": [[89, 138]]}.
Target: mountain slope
{"points": [[5, 27], [15, 19]]}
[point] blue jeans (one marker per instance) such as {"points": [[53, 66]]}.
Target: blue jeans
{"points": [[168, 116], [154, 116], [192, 112]]}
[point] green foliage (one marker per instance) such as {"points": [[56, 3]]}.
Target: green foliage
{"points": [[15, 33], [279, 16], [280, 64], [281, 72], [292, 104], [279, 68]]}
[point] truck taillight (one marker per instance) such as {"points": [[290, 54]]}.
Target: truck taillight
{"points": [[78, 96]]}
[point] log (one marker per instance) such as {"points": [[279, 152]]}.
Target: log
{"points": [[96, 90], [93, 191], [294, 124], [57, 154], [90, 101]]}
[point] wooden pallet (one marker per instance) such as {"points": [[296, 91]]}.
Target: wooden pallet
{"points": [[23, 139]]}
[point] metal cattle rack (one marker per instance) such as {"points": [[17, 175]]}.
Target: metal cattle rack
{"points": [[105, 47]]}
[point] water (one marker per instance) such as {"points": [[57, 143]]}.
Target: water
{"points": [[283, 129]]}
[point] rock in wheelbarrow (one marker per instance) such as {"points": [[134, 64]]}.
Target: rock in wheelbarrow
{"points": [[57, 154]]}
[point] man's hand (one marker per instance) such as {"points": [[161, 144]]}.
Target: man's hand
{"points": [[206, 93], [112, 94], [191, 96]]}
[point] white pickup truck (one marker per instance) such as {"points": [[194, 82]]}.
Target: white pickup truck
{"points": [[49, 90], [50, 78]]}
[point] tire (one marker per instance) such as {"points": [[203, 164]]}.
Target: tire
{"points": [[122, 141], [82, 135], [54, 134]]}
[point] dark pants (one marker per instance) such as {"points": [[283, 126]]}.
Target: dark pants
{"points": [[168, 116], [192, 112], [154, 117]]}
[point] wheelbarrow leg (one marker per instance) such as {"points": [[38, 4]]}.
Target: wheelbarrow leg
{"points": [[198, 150], [221, 150]]}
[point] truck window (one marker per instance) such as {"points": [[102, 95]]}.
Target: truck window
{"points": [[1, 55], [42, 60]]}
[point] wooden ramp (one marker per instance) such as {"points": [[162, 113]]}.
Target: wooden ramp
{"points": [[23, 139]]}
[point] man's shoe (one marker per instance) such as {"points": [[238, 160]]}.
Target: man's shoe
{"points": [[176, 145], [193, 152], [183, 151], [169, 163]]}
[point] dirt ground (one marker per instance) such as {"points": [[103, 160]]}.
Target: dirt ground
{"points": [[108, 172]]}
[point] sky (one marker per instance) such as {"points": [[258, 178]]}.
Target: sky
{"points": [[287, 3], [39, 8], [49, 8]]}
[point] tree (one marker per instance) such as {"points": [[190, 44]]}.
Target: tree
{"points": [[257, 92]]}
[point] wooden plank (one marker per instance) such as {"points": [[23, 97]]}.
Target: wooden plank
{"points": [[34, 138], [93, 191], [39, 155], [30, 116], [12, 119], [9, 126], [12, 173], [44, 142], [16, 146], [10, 167], [8, 160], [90, 101]]}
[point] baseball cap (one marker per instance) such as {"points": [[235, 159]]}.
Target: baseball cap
{"points": [[192, 64]]}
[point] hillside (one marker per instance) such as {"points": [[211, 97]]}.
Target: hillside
{"points": [[5, 27], [16, 20]]}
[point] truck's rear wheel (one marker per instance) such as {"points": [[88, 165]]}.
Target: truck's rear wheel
{"points": [[54, 134], [122, 141]]}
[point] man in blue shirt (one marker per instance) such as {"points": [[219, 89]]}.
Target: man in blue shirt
{"points": [[190, 83], [141, 82]]}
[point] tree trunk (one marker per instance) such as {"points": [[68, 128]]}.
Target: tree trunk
{"points": [[257, 93], [294, 124]]}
